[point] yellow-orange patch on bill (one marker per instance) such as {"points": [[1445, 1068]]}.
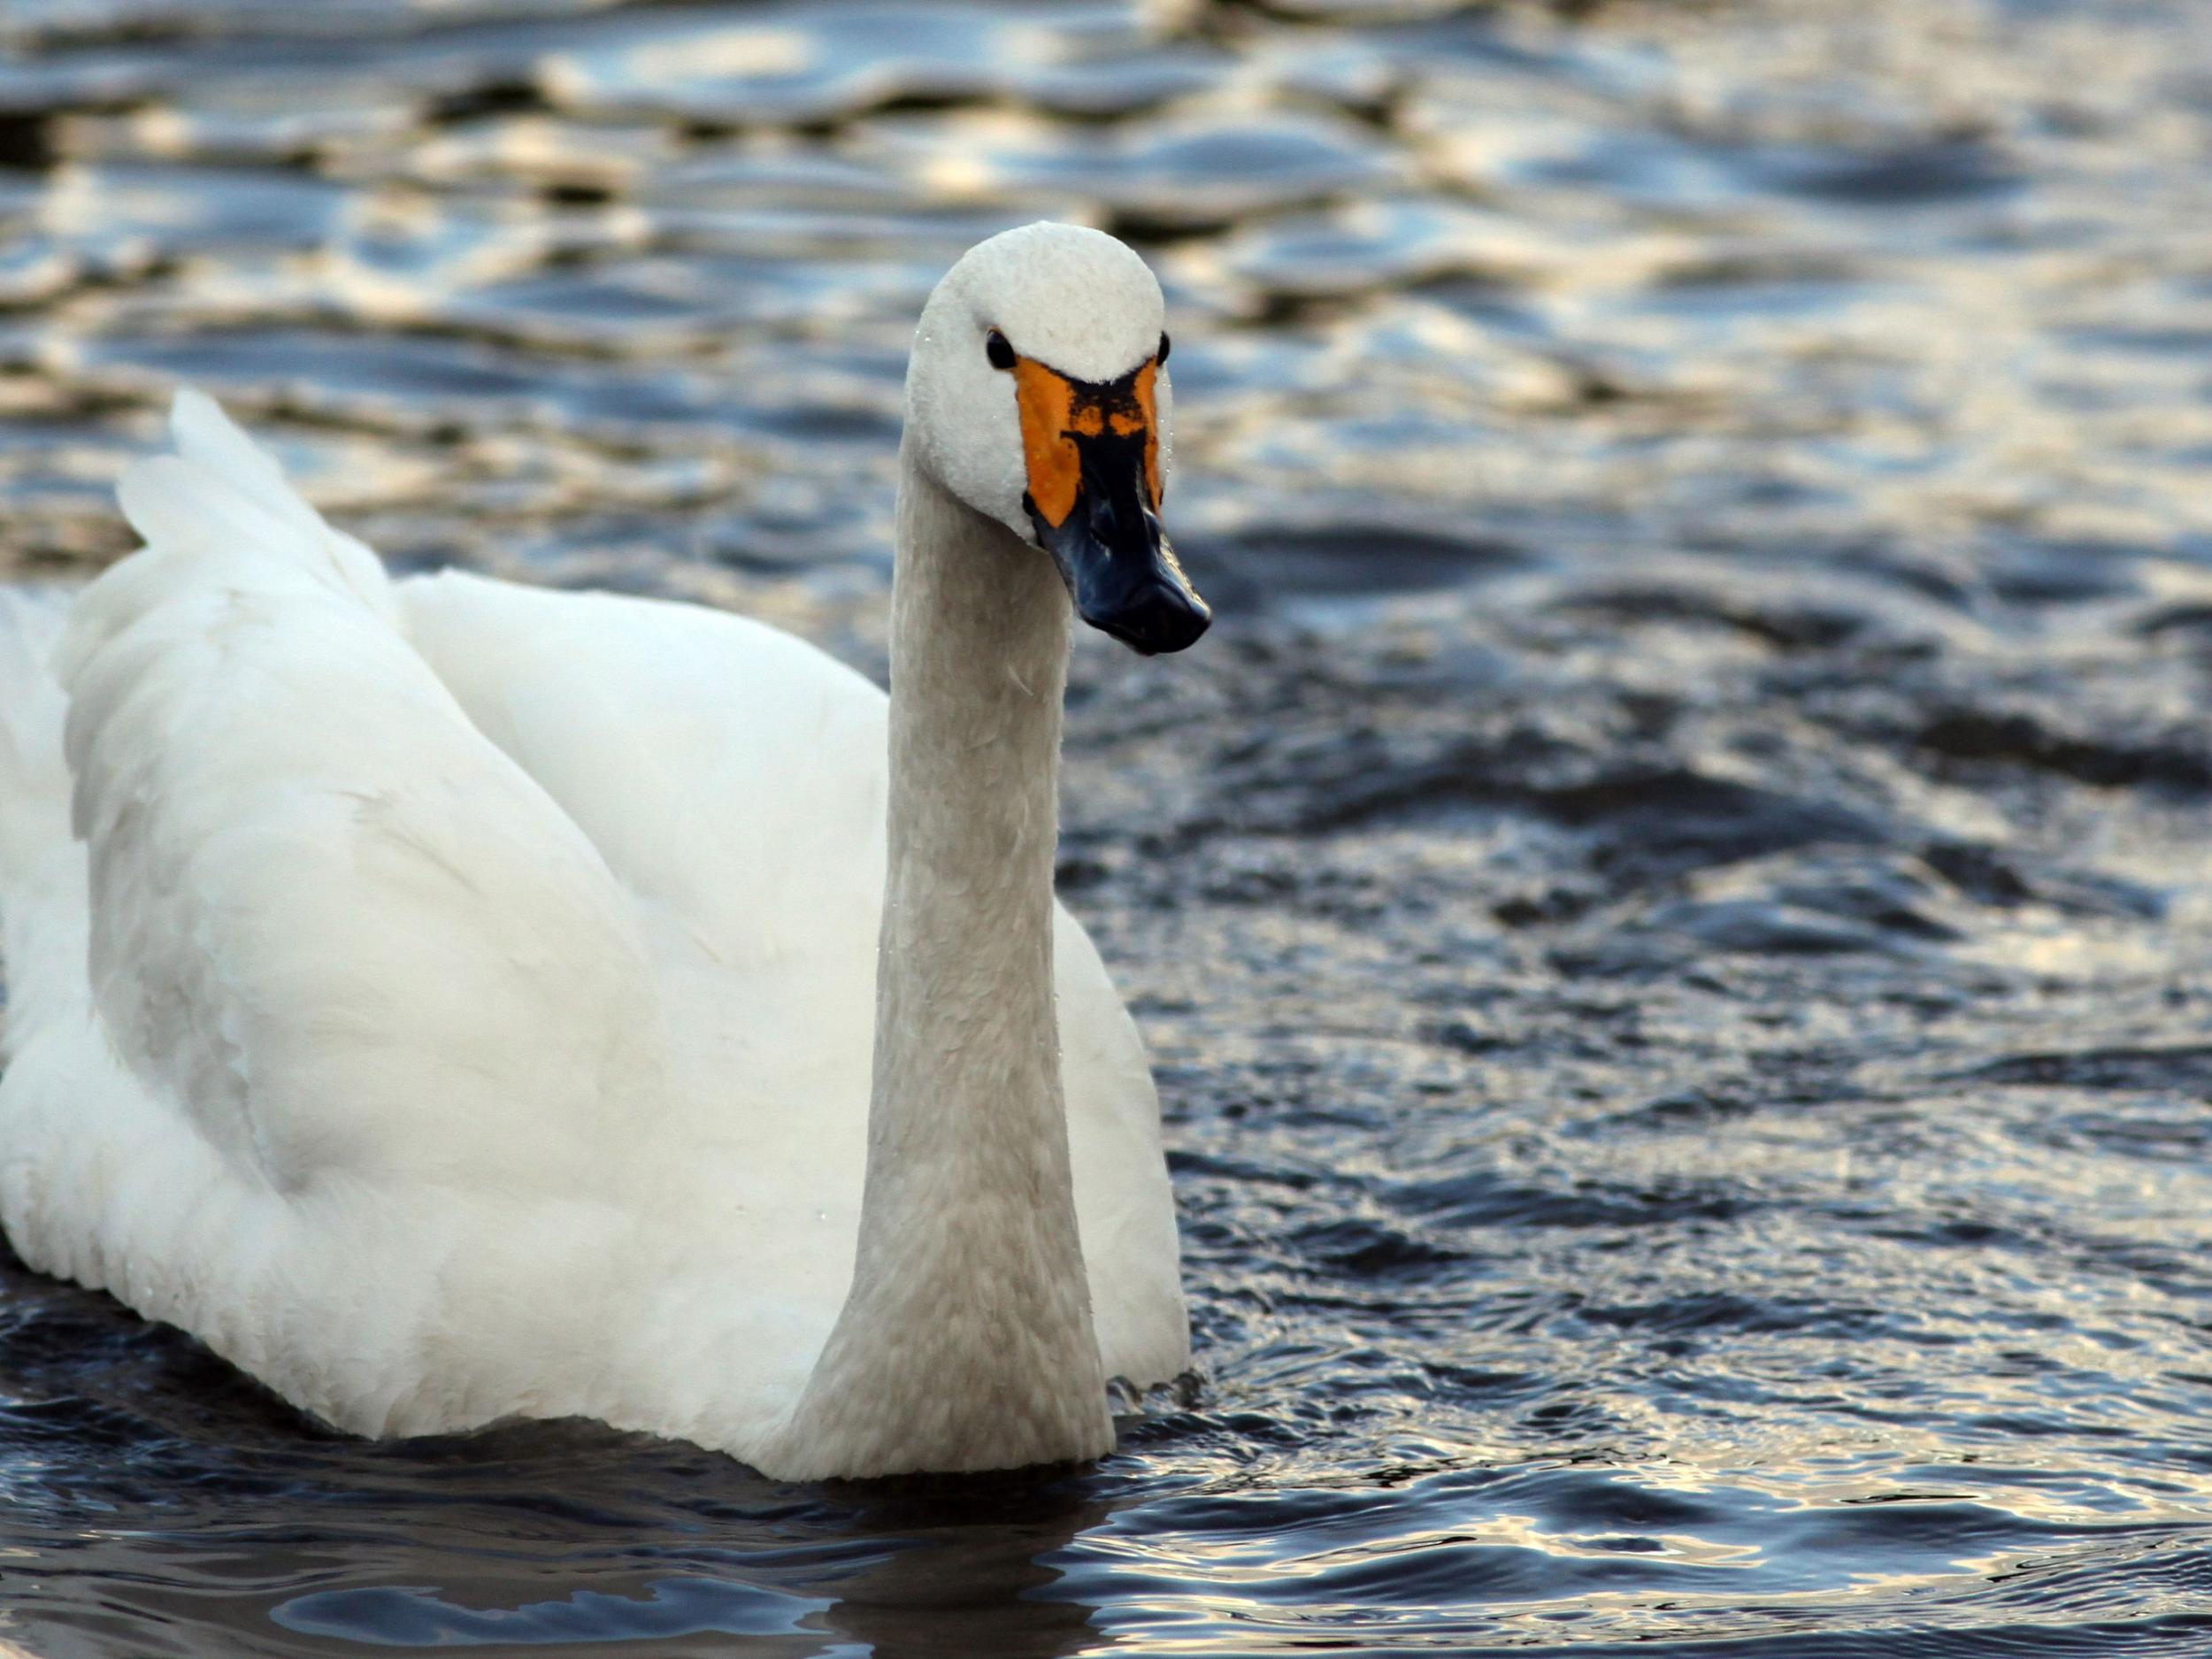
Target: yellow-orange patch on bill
{"points": [[1149, 413], [1048, 411], [1054, 412]]}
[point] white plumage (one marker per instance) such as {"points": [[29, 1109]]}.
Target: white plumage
{"points": [[457, 1000]]}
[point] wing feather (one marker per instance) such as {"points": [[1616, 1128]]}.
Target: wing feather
{"points": [[343, 930]]}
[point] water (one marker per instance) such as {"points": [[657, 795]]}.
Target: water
{"points": [[1671, 913]]}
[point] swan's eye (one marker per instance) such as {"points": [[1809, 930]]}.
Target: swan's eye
{"points": [[1000, 354], [1161, 355]]}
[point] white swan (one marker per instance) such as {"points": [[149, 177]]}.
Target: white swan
{"points": [[457, 1000]]}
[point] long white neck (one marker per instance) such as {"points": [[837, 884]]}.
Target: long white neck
{"points": [[966, 1340]]}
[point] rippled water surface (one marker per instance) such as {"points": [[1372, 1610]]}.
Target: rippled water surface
{"points": [[1671, 913]]}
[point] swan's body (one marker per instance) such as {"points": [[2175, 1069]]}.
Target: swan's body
{"points": [[458, 1001]]}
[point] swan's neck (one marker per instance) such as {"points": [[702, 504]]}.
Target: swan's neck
{"points": [[965, 1341]]}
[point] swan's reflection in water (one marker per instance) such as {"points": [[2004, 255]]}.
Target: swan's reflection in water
{"points": [[362, 1545], [186, 1513], [906, 1571], [977, 1577]]}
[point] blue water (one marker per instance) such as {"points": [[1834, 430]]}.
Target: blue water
{"points": [[1672, 911]]}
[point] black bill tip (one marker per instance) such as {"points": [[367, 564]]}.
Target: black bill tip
{"points": [[1153, 618], [1121, 572]]}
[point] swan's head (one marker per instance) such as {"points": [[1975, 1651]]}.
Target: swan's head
{"points": [[1039, 396]]}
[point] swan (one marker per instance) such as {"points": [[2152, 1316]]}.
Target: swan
{"points": [[452, 1001]]}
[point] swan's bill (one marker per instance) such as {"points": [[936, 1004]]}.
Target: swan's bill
{"points": [[1092, 451]]}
